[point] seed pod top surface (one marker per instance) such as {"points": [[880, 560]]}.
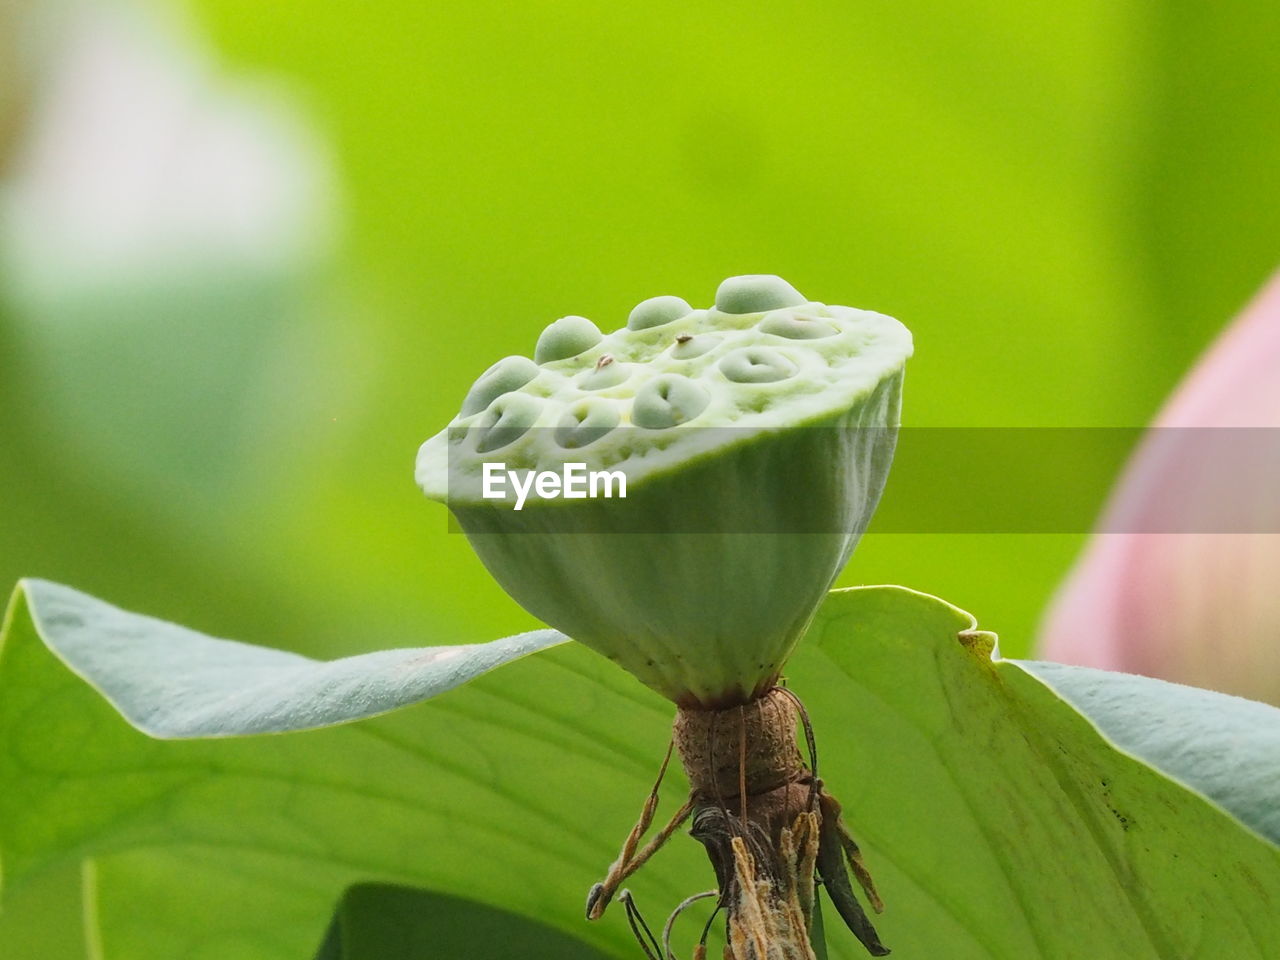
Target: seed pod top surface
{"points": [[762, 359]]}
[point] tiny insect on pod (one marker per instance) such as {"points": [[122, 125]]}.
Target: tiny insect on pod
{"points": [[744, 447]]}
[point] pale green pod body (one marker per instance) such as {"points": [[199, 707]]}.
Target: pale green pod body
{"points": [[751, 469]]}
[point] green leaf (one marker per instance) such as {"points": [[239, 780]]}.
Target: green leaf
{"points": [[1225, 747], [378, 921], [530, 783], [171, 682], [989, 803], [998, 819]]}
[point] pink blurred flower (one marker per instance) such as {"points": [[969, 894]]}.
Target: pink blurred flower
{"points": [[1200, 607]]}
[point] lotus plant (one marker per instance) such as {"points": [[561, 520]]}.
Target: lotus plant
{"points": [[1018, 808], [1180, 580], [752, 441]]}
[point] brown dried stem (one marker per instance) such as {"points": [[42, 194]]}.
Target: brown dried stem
{"points": [[769, 827]]}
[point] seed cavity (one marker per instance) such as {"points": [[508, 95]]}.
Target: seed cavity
{"points": [[687, 346], [607, 372], [667, 401], [566, 337], [756, 293], [586, 422], [757, 365], [657, 311], [794, 326], [509, 373], [506, 421]]}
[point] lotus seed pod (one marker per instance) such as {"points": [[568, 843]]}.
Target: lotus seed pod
{"points": [[756, 293], [509, 373], [567, 337], [657, 311], [730, 480]]}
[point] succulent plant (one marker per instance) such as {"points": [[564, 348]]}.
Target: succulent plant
{"points": [[753, 438]]}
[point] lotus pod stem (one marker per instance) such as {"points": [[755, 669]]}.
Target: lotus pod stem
{"points": [[770, 829], [769, 825]]}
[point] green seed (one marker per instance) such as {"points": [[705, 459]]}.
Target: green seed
{"points": [[567, 337], [756, 293], [507, 420], [509, 373], [796, 327], [656, 311], [757, 365], [667, 401], [585, 423]]}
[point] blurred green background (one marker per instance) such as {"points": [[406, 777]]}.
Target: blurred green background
{"points": [[211, 412]]}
